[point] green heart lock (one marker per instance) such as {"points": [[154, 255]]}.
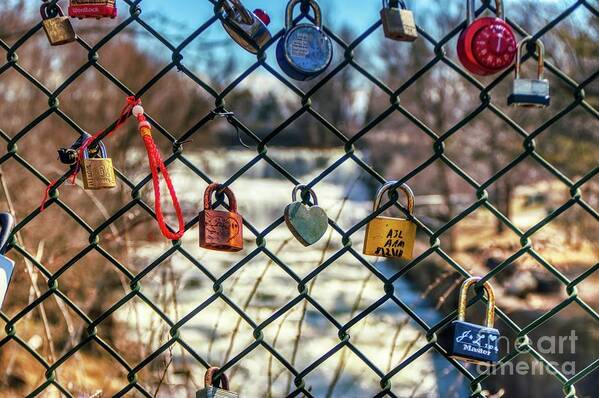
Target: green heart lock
{"points": [[307, 223]]}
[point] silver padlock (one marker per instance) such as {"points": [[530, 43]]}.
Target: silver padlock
{"points": [[248, 29], [398, 21], [530, 92], [211, 391], [6, 265]]}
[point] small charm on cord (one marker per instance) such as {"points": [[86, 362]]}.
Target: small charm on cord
{"points": [[247, 28], [307, 223], [6, 265], [57, 26], [388, 236], [220, 390], [92, 9]]}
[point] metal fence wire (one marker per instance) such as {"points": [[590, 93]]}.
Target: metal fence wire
{"points": [[301, 388]]}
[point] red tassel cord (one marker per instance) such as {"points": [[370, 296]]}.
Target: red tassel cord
{"points": [[134, 107], [156, 166]]}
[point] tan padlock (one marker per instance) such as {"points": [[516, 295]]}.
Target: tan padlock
{"points": [[388, 236], [98, 173], [57, 26]]}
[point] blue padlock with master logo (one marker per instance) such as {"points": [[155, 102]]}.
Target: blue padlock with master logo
{"points": [[470, 342], [6, 265], [305, 51]]}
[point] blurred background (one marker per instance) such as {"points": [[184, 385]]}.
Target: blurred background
{"points": [[395, 145]]}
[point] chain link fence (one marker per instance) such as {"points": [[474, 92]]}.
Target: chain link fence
{"points": [[131, 14]]}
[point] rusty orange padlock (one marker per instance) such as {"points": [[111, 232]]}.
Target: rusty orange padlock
{"points": [[220, 230]]}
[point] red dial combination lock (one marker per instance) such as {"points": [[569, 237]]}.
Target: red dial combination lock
{"points": [[487, 45]]}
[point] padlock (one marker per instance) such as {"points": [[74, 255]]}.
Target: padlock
{"points": [[388, 236], [57, 26], [530, 92], [398, 21], [97, 172], [6, 265], [304, 51], [487, 45], [248, 29], [220, 230], [92, 9], [212, 391], [307, 223], [471, 342]]}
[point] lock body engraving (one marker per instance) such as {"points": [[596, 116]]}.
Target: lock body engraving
{"points": [[470, 342], [211, 391], [59, 30], [530, 92], [305, 50], [388, 236], [220, 230], [92, 9], [97, 172], [398, 23]]}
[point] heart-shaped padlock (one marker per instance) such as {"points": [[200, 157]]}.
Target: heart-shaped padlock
{"points": [[307, 223]]}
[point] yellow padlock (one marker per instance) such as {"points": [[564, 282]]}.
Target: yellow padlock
{"points": [[98, 173], [388, 236]]}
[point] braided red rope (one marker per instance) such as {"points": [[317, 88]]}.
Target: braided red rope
{"points": [[156, 165]]}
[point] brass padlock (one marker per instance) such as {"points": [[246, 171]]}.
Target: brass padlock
{"points": [[398, 21], [220, 230], [58, 27], [98, 173], [530, 92], [388, 236], [248, 29], [211, 391]]}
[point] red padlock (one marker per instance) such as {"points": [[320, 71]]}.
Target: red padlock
{"points": [[488, 45], [220, 230], [92, 9]]}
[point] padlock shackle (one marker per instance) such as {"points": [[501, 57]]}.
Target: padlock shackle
{"points": [[48, 10], [302, 188], [395, 4], [236, 7], [470, 9], [404, 188], [540, 59], [289, 13], [209, 379], [7, 222], [103, 151], [490, 318], [228, 193]]}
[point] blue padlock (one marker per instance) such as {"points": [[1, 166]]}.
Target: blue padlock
{"points": [[470, 342], [305, 51], [6, 265]]}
